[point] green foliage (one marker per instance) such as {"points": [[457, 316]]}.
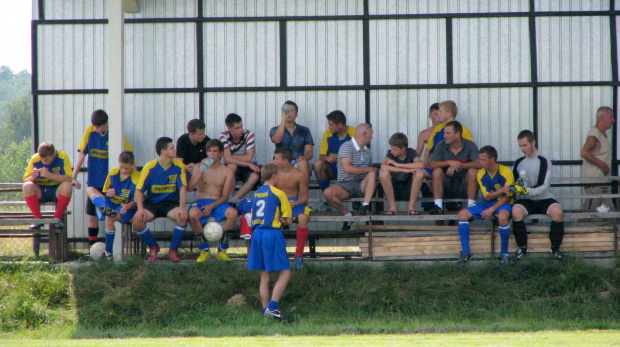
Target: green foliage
{"points": [[17, 125], [12, 86]]}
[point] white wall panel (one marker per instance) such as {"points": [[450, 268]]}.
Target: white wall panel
{"points": [[408, 51], [266, 8], [161, 55], [571, 5], [242, 54], [573, 48], [491, 50], [260, 112], [72, 56], [165, 9], [77, 9], [445, 6], [324, 53]]}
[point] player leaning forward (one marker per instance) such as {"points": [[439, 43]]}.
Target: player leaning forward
{"points": [[214, 184]]}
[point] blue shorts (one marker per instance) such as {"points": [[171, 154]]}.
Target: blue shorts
{"points": [[125, 218], [48, 193], [268, 251], [476, 208], [334, 170], [429, 171], [218, 213], [300, 209]]}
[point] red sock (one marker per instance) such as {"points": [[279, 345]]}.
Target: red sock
{"points": [[302, 237], [33, 204], [61, 205]]}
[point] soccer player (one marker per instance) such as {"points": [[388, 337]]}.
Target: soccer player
{"points": [[270, 209], [297, 137], [94, 144], [402, 174], [162, 192], [294, 184], [239, 155], [494, 180], [214, 186], [48, 179], [338, 132], [118, 204], [533, 172]]}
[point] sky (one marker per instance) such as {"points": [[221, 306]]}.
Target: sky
{"points": [[15, 18]]}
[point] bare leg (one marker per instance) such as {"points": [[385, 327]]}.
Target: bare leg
{"points": [[416, 186], [280, 286], [369, 186], [388, 189], [472, 184], [438, 178], [334, 196], [264, 288]]}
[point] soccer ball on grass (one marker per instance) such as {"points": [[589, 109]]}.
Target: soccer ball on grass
{"points": [[97, 250], [213, 231]]}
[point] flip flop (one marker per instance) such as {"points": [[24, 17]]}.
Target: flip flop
{"points": [[412, 212], [389, 213]]}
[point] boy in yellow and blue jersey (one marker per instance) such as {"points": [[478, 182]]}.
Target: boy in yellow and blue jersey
{"points": [[270, 208], [118, 204], [494, 180], [162, 192], [48, 179], [326, 168], [94, 144]]}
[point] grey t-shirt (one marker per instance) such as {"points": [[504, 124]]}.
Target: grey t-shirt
{"points": [[468, 153], [403, 177]]}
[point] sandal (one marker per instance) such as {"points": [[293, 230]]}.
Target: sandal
{"points": [[412, 212], [389, 213]]}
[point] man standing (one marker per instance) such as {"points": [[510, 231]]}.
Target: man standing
{"points": [[533, 192], [294, 136], [596, 153]]}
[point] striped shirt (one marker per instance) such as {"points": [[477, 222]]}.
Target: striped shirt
{"points": [[361, 157], [246, 142]]}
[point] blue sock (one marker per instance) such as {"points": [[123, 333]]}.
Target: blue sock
{"points": [[323, 184], [264, 309], [223, 242], [464, 234], [148, 238], [177, 237], [273, 305], [109, 240], [98, 202], [204, 246], [504, 235]]}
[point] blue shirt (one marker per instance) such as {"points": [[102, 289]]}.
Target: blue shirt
{"points": [[124, 189], [502, 177], [160, 183], [60, 165], [296, 142], [268, 205], [95, 145]]}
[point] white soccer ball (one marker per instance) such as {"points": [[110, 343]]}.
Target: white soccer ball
{"points": [[213, 231], [97, 250]]}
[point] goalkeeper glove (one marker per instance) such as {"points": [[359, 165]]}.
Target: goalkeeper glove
{"points": [[517, 189]]}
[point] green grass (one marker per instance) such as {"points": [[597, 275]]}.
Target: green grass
{"points": [[133, 299]]}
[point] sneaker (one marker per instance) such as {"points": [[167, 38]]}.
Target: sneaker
{"points": [[275, 314], [107, 211], [519, 254], [173, 254], [464, 258], [299, 262], [203, 257], [435, 210], [364, 210], [223, 256], [559, 255], [346, 226], [58, 226], [504, 259], [153, 254], [108, 256], [86, 257], [35, 226]]}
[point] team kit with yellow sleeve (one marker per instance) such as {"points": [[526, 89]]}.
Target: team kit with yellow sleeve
{"points": [[60, 165], [124, 191], [268, 247]]}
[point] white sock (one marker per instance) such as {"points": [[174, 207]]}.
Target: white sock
{"points": [[348, 214], [470, 202], [439, 203]]}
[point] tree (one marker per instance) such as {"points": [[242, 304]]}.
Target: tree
{"points": [[17, 125]]}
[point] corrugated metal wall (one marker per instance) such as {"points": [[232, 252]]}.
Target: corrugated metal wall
{"points": [[416, 56]]}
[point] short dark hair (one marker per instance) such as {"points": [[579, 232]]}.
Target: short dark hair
{"points": [[526, 134], [458, 128], [289, 102], [286, 152], [399, 140], [215, 143], [337, 117], [46, 149], [268, 170], [161, 144], [98, 118], [126, 157], [490, 151], [232, 119], [195, 125], [434, 107]]}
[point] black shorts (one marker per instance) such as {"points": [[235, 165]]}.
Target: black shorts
{"points": [[243, 173], [455, 188], [536, 206], [402, 190], [161, 208], [91, 209]]}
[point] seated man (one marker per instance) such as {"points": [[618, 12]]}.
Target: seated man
{"points": [[533, 172], [48, 178], [455, 166], [214, 186], [162, 192], [494, 180], [402, 174], [294, 184], [191, 145], [356, 176], [118, 204], [294, 136], [239, 155], [326, 168]]}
